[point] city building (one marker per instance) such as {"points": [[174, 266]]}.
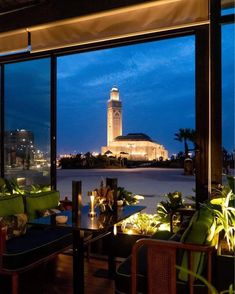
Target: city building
{"points": [[133, 146], [19, 148]]}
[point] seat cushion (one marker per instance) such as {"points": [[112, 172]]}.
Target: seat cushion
{"points": [[34, 245], [40, 201], [198, 232]]}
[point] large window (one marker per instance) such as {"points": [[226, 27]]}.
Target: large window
{"points": [[228, 94], [27, 121], [128, 91]]}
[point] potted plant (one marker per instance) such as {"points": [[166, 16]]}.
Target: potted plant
{"points": [[224, 212]]}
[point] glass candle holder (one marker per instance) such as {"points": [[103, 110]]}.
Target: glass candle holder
{"points": [[92, 212]]}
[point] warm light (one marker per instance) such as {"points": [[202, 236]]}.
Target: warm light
{"points": [[115, 230], [21, 181], [92, 197], [92, 212]]}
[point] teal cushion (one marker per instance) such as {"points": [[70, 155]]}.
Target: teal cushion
{"points": [[197, 233], [10, 205], [40, 201]]}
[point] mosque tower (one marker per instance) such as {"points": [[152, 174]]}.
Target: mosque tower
{"points": [[114, 116]]}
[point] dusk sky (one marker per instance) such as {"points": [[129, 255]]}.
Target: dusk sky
{"points": [[156, 81]]}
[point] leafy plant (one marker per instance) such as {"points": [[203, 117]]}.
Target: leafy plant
{"points": [[173, 202], [128, 197], [225, 216], [141, 223], [11, 186]]}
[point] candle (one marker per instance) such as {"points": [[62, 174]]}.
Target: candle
{"points": [[92, 203], [92, 197]]}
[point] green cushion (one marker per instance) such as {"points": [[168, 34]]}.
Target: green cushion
{"points": [[197, 233], [40, 201], [10, 205]]}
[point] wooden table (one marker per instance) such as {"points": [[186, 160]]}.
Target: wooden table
{"points": [[101, 224]]}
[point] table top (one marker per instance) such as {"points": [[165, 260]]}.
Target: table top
{"points": [[101, 221]]}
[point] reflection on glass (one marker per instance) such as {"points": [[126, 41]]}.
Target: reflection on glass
{"points": [[27, 121]]}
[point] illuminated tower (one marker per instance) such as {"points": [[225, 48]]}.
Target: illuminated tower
{"points": [[114, 116]]}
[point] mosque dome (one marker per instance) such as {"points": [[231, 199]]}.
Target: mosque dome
{"points": [[134, 137]]}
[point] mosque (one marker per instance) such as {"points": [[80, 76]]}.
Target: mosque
{"points": [[133, 146]]}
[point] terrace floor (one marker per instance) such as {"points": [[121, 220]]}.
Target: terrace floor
{"points": [[55, 277]]}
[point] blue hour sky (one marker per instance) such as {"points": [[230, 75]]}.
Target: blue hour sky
{"points": [[156, 81]]}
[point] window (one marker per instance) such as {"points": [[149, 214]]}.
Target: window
{"points": [[27, 121], [228, 94], [151, 86]]}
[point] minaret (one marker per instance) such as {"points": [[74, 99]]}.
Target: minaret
{"points": [[114, 116]]}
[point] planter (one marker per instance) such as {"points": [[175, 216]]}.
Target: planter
{"points": [[122, 245], [224, 271]]}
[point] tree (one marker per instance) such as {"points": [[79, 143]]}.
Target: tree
{"points": [[185, 135]]}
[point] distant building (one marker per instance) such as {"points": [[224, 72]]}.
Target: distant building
{"points": [[134, 146], [19, 148]]}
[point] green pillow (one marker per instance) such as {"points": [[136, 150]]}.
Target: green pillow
{"points": [[40, 201], [10, 205], [197, 233]]}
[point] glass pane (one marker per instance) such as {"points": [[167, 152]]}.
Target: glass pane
{"points": [[118, 112], [27, 121], [228, 94], [227, 7]]}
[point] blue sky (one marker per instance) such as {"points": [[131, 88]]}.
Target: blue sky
{"points": [[156, 81], [156, 84]]}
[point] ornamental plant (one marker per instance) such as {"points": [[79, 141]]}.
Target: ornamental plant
{"points": [[164, 208], [224, 212]]}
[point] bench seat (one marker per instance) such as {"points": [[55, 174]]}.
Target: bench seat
{"points": [[37, 244]]}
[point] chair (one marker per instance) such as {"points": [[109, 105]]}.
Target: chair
{"points": [[151, 268], [161, 275]]}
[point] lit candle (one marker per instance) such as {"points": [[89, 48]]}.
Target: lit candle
{"points": [[92, 197], [115, 230], [92, 203]]}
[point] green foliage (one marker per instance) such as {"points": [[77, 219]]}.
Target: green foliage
{"points": [[225, 215], [11, 186], [127, 196], [173, 202], [141, 223]]}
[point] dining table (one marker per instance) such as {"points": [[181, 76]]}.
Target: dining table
{"points": [[97, 226]]}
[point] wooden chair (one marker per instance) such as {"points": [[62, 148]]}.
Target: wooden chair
{"points": [[161, 265]]}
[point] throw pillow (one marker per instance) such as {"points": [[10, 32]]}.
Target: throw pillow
{"points": [[16, 224]]}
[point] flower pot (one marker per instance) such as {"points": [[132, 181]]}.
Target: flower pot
{"points": [[224, 271]]}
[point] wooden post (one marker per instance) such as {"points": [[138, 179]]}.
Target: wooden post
{"points": [[76, 199]]}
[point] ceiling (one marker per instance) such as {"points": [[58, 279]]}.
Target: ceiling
{"points": [[16, 14], [10, 6]]}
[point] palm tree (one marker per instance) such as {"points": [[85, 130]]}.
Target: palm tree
{"points": [[185, 135]]}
